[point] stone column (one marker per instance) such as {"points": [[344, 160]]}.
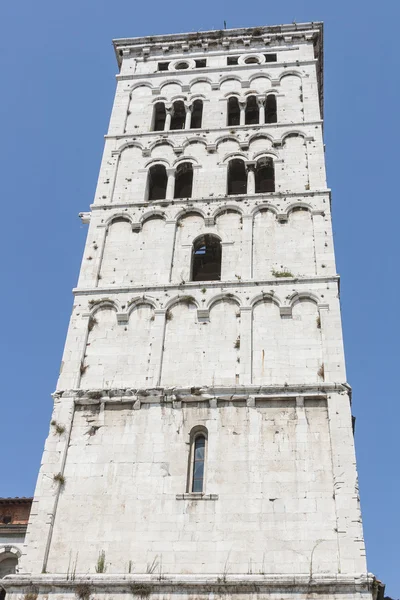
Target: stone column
{"points": [[261, 110], [247, 248], [168, 117], [251, 176], [157, 348], [188, 116], [170, 234], [170, 184], [242, 105]]}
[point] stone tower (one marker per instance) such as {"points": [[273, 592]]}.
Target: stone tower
{"points": [[201, 441]]}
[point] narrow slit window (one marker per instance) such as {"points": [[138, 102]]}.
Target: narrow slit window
{"points": [[159, 116], [252, 112], [199, 449], [197, 115], [265, 175], [233, 111], [237, 177], [178, 115], [270, 109]]}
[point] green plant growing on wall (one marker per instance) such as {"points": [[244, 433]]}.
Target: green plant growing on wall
{"points": [[101, 562], [284, 273], [59, 478], [59, 429]]}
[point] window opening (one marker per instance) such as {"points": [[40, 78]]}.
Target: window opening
{"points": [[252, 112], [159, 116], [163, 66], [183, 181], [233, 111], [270, 57], [157, 182], [182, 65], [197, 115], [232, 60], [206, 259], [198, 463], [251, 60], [178, 115], [6, 520], [200, 63], [237, 177], [265, 175], [270, 109]]}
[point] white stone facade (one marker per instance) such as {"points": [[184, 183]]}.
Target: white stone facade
{"points": [[254, 358]]}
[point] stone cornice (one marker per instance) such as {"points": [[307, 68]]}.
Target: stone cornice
{"points": [[224, 583]]}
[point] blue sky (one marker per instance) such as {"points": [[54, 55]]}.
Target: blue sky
{"points": [[58, 68]]}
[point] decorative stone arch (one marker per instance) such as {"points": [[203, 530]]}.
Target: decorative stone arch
{"points": [[183, 159], [228, 78], [265, 297], [197, 96], [140, 84], [251, 93], [298, 205], [169, 81], [157, 161], [142, 301], [126, 145], [151, 215], [294, 133], [187, 211], [227, 207], [179, 97], [227, 138], [260, 136], [182, 299], [258, 75], [194, 140], [119, 215], [159, 99], [102, 304], [297, 296], [234, 155], [233, 95], [8, 551], [266, 154], [292, 72], [200, 80], [265, 206], [221, 297], [161, 142]]}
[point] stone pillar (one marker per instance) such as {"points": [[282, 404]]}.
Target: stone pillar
{"points": [[170, 234], [261, 110], [242, 106], [247, 248], [168, 117], [188, 116], [251, 177], [170, 184], [157, 349]]}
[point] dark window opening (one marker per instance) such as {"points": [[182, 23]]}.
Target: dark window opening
{"points": [[199, 449], [270, 109], [232, 60], [183, 181], [182, 65], [252, 111], [6, 520], [200, 63], [270, 57], [157, 182], [2, 594], [178, 115], [251, 60], [163, 66], [206, 259], [197, 115], [237, 177], [159, 116], [233, 111], [265, 176]]}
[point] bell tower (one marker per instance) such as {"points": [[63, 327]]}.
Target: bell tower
{"points": [[201, 440]]}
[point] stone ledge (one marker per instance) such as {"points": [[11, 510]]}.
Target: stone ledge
{"points": [[196, 496], [196, 582]]}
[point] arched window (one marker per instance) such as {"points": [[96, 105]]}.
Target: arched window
{"points": [[237, 177], [157, 182], [270, 109], [197, 460], [233, 111], [265, 175], [252, 112], [159, 116], [178, 115], [197, 114], [206, 259], [183, 180]]}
